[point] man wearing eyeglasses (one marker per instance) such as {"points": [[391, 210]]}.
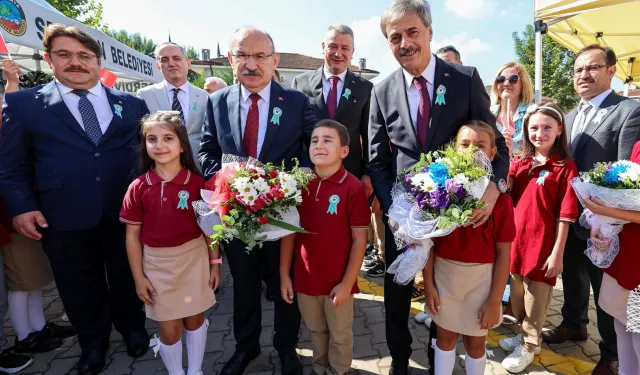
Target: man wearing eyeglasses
{"points": [[262, 119], [175, 93], [449, 53], [67, 152]]}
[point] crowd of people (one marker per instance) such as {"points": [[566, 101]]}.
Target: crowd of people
{"points": [[97, 185]]}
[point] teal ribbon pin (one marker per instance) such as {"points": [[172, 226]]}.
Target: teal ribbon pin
{"points": [[346, 94], [440, 95], [183, 195], [118, 109], [277, 112], [194, 106], [542, 176], [333, 205]]}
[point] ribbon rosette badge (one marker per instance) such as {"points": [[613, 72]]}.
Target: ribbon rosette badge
{"points": [[117, 108], [346, 94], [333, 205], [542, 176], [599, 116], [183, 195], [440, 95], [277, 112]]}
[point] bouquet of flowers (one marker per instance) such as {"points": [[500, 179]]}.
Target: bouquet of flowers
{"points": [[614, 184], [431, 200], [251, 201]]}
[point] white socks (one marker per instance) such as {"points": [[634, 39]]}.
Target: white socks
{"points": [[172, 357], [196, 341], [475, 366], [26, 312], [444, 361]]}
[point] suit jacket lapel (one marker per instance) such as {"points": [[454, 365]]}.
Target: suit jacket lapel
{"points": [[116, 121], [235, 123], [402, 105], [160, 91], [349, 83], [440, 78], [276, 100], [609, 105], [569, 119], [315, 84], [194, 100], [53, 100]]}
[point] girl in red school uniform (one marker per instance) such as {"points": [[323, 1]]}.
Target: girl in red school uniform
{"points": [[174, 270], [545, 206], [467, 272], [621, 278]]}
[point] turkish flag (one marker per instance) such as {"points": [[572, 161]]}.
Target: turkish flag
{"points": [[107, 77], [3, 46]]}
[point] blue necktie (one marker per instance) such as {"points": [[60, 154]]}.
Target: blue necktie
{"points": [[89, 118]]}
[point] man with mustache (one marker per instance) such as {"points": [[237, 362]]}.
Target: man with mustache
{"points": [[175, 93], [262, 119], [602, 128], [417, 109], [67, 154]]}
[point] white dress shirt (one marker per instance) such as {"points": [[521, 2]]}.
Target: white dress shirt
{"points": [[326, 85], [413, 94], [183, 98], [263, 111], [595, 102], [97, 96]]}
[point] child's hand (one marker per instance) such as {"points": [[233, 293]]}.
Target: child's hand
{"points": [[286, 289], [489, 315], [553, 265], [11, 70], [145, 291], [339, 294], [214, 276], [600, 242], [432, 299]]}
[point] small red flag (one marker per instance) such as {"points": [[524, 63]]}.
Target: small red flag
{"points": [[4, 50], [107, 77]]}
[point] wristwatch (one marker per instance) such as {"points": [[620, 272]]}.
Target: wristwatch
{"points": [[502, 186], [215, 261]]}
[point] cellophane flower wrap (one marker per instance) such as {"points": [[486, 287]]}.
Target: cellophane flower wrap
{"points": [[251, 201], [614, 184], [431, 200]]}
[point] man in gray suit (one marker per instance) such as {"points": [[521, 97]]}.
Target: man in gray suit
{"points": [[406, 120], [603, 128], [176, 93]]}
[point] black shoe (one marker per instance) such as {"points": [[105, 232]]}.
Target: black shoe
{"points": [[416, 294], [38, 342], [291, 364], [61, 332], [370, 257], [369, 250], [377, 271], [561, 334], [90, 363], [606, 367], [12, 363], [271, 296], [369, 264], [397, 369], [239, 362], [137, 344]]}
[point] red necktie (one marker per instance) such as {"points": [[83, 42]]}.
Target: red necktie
{"points": [[250, 139], [332, 98], [424, 111]]}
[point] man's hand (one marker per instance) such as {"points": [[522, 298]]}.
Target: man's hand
{"points": [[480, 215], [366, 181], [339, 294], [11, 70], [25, 224]]}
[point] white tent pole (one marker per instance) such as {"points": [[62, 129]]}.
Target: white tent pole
{"points": [[539, 27]]}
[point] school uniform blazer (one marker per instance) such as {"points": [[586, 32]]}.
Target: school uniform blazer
{"points": [[42, 146]]}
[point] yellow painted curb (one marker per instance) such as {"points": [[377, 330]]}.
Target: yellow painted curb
{"points": [[556, 363]]}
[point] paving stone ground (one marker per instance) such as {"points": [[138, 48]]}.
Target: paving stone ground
{"points": [[371, 355]]}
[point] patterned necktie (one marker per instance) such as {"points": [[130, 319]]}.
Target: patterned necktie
{"points": [[332, 98], [250, 139], [176, 106], [424, 111], [578, 126], [89, 117]]}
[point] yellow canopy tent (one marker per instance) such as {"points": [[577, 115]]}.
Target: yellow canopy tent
{"points": [[578, 23]]}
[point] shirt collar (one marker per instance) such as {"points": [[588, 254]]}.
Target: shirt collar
{"points": [[95, 90], [328, 74], [337, 177], [265, 93], [596, 101], [429, 73], [184, 87], [182, 178]]}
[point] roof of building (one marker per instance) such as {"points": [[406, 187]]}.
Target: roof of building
{"points": [[287, 60], [632, 92]]}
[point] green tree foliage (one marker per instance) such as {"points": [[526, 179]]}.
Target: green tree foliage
{"points": [[226, 74], [136, 41], [557, 68], [88, 12]]}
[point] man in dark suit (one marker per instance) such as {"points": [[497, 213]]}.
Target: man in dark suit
{"points": [[67, 153], [259, 118], [603, 128], [407, 119]]}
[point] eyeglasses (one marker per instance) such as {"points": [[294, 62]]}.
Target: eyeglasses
{"points": [[259, 57], [512, 79], [590, 69], [84, 58]]}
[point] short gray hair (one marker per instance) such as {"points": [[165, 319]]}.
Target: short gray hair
{"points": [[342, 29], [184, 52], [235, 33], [401, 8]]}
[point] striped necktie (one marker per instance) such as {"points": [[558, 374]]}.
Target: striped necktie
{"points": [[250, 138], [176, 106]]}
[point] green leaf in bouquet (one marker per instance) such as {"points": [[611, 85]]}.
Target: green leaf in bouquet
{"points": [[219, 227], [233, 212], [225, 218], [455, 212], [287, 226]]}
